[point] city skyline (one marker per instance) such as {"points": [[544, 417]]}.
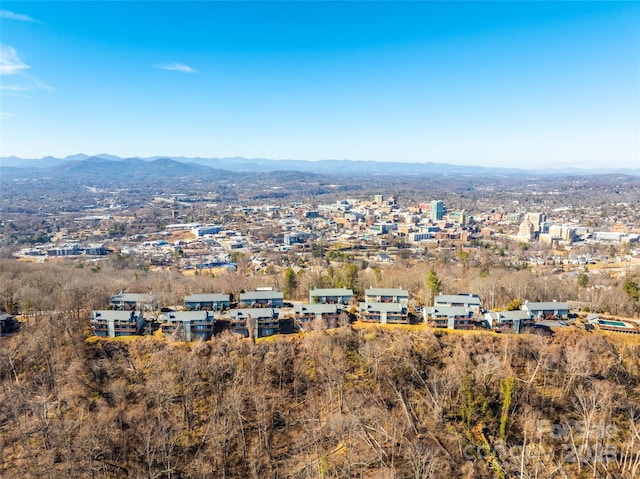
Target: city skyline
{"points": [[507, 84]]}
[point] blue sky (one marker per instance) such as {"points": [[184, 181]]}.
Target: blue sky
{"points": [[535, 84]]}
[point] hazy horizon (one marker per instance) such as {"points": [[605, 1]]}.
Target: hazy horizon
{"points": [[495, 84]]}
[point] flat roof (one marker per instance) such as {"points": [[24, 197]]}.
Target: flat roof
{"points": [[136, 297], [331, 292], [262, 295], [206, 297], [315, 308], [256, 313], [386, 292], [382, 307], [458, 298], [510, 315], [448, 310], [546, 306], [118, 315], [186, 316]]}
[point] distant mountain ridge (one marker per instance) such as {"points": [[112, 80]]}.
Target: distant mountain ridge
{"points": [[129, 166], [243, 165], [109, 170]]}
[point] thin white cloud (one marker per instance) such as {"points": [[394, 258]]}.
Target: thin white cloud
{"points": [[37, 83], [176, 67], [16, 16], [10, 62], [15, 88]]}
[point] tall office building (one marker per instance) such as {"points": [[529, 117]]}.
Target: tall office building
{"points": [[437, 210], [526, 231], [537, 219]]}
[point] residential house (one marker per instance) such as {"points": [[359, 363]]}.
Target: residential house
{"points": [[305, 313], [207, 302], [262, 299], [508, 320], [387, 295], [109, 323], [265, 321], [550, 309], [451, 317], [188, 325], [471, 301], [385, 305], [383, 313], [330, 295], [383, 257], [133, 302]]}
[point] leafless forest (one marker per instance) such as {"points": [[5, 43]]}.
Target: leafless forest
{"points": [[363, 403]]}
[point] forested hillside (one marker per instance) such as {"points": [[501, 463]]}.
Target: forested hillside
{"points": [[366, 403]]}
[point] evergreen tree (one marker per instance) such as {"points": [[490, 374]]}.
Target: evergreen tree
{"points": [[434, 285], [290, 283]]}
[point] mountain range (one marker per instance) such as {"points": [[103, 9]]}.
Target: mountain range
{"points": [[184, 166]]}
